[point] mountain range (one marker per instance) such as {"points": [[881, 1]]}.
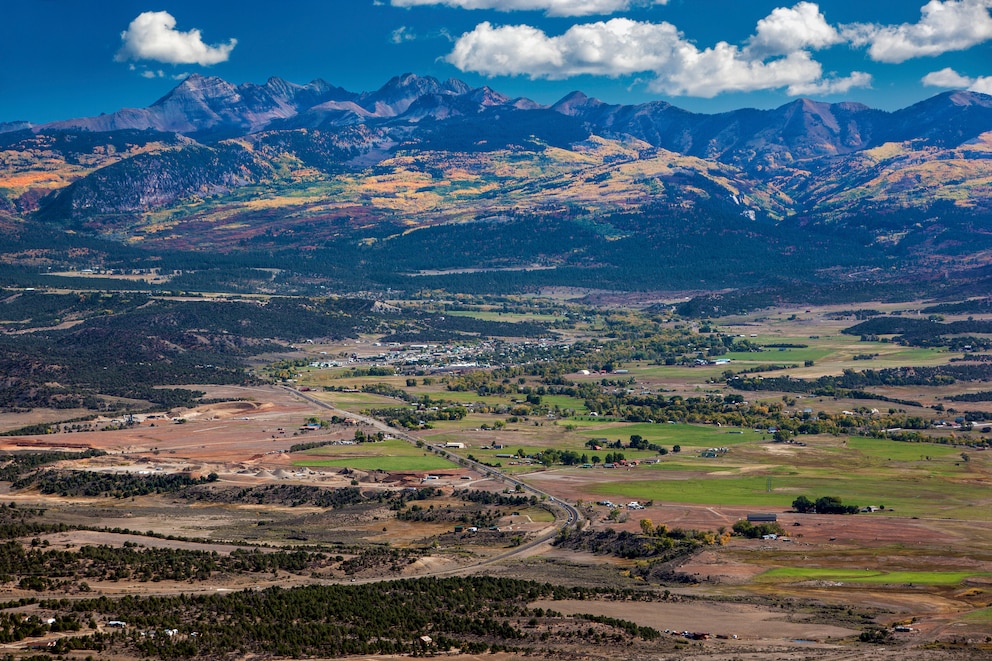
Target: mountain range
{"points": [[209, 108], [217, 165]]}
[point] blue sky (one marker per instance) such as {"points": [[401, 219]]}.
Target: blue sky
{"points": [[73, 58]]}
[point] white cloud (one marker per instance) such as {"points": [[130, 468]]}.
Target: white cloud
{"points": [[612, 48], [952, 79], [549, 7], [724, 68], [775, 57], [153, 36], [982, 85], [787, 30], [401, 34], [944, 26], [946, 78], [832, 85]]}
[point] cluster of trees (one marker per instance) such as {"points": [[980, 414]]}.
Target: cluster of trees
{"points": [[637, 442], [42, 568], [660, 543], [779, 291], [379, 557], [745, 528], [15, 627], [823, 505], [18, 522], [15, 464], [116, 485], [836, 386], [479, 514], [417, 419], [475, 615], [916, 331], [296, 495], [496, 498], [983, 396]]}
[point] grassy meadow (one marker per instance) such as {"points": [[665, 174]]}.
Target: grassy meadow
{"points": [[389, 455], [870, 577]]}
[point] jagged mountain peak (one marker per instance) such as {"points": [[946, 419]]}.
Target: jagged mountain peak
{"points": [[486, 96], [408, 83], [200, 92], [199, 84], [401, 92]]}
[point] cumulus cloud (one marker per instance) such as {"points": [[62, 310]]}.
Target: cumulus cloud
{"points": [[946, 78], [952, 79], [612, 48], [944, 26], [787, 30], [776, 56], [153, 36], [549, 7]]}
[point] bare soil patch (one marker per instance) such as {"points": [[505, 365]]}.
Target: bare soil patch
{"points": [[74, 539], [747, 621]]}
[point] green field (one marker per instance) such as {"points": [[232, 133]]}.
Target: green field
{"points": [[983, 615], [779, 355], [565, 402], [904, 494], [898, 451], [873, 577], [359, 400], [467, 396]]}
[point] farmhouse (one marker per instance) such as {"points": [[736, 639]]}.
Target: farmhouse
{"points": [[455, 446], [762, 518]]}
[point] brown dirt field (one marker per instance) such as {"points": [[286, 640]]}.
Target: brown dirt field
{"points": [[748, 622], [77, 538], [10, 421], [224, 437]]}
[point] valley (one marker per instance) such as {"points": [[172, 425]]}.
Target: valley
{"points": [[291, 371], [268, 471]]}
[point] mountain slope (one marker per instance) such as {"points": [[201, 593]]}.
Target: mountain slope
{"points": [[229, 164]]}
